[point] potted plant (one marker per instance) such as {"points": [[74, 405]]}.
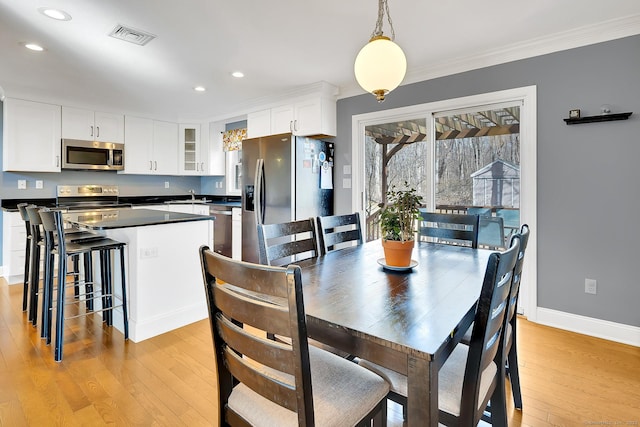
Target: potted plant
{"points": [[398, 225]]}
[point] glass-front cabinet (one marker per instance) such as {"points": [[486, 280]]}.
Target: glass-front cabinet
{"points": [[191, 153]]}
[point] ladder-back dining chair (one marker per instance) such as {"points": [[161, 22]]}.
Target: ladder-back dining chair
{"points": [[453, 229], [262, 382], [473, 375], [284, 243], [339, 231]]}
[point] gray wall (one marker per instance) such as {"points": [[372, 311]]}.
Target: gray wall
{"points": [[587, 178]]}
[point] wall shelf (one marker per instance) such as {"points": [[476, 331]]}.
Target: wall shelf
{"points": [[600, 118]]}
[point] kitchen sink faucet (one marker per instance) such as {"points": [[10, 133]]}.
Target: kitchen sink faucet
{"points": [[193, 195]]}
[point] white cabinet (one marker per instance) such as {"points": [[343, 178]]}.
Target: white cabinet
{"points": [[78, 123], [309, 117], [215, 151], [151, 147], [259, 124], [13, 246], [31, 136], [193, 149]]}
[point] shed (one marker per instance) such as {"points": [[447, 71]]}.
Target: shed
{"points": [[497, 184]]}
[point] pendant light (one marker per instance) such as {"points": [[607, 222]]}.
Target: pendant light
{"points": [[380, 65]]}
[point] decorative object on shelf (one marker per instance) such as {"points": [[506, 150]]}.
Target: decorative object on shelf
{"points": [[574, 114], [398, 225], [381, 64], [600, 118], [232, 139]]}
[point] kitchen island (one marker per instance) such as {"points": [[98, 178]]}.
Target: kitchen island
{"points": [[164, 279]]}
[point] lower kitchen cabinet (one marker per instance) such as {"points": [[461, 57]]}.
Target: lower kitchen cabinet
{"points": [[14, 237]]}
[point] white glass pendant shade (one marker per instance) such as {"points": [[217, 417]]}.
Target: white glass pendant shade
{"points": [[380, 66]]}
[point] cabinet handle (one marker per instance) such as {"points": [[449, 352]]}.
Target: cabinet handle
{"points": [[57, 161], [91, 130], [97, 131], [291, 125], [295, 125], [150, 165], [155, 162], [202, 167]]}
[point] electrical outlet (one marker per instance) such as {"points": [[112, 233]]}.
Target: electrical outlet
{"points": [[166, 184], [590, 286], [39, 184], [22, 184]]}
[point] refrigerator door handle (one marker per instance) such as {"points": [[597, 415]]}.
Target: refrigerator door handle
{"points": [[259, 192]]}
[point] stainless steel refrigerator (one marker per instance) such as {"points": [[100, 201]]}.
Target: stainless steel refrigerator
{"points": [[285, 178]]}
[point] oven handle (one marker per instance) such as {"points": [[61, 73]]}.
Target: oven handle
{"points": [[227, 213]]}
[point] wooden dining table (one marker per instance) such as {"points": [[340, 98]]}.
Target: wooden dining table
{"points": [[408, 321]]}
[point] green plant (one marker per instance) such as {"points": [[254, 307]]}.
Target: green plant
{"points": [[398, 217]]}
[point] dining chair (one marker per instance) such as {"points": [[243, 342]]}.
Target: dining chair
{"points": [[510, 349], [339, 231], [58, 246], [27, 254], [262, 382], [473, 375], [283, 243], [491, 232], [455, 229]]}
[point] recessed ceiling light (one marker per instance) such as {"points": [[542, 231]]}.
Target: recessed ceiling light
{"points": [[199, 88], [57, 14], [238, 74], [34, 46]]}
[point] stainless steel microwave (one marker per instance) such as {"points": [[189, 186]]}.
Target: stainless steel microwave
{"points": [[92, 155]]}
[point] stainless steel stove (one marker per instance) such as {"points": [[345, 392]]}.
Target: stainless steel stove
{"points": [[88, 197]]}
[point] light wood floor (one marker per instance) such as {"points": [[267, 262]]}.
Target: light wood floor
{"points": [[568, 379]]}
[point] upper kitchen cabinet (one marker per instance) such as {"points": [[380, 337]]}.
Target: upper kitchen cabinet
{"points": [[193, 149], [215, 152], [31, 136], [90, 125], [309, 117], [316, 116], [259, 123], [151, 147]]}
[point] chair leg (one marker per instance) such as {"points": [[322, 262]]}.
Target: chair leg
{"points": [[27, 269], [47, 291], [125, 313], [514, 376], [75, 259], [105, 274], [88, 280], [35, 282], [62, 274]]}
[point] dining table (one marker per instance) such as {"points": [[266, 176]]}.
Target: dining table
{"points": [[408, 320]]}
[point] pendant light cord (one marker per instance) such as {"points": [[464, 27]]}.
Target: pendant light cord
{"points": [[383, 7]]}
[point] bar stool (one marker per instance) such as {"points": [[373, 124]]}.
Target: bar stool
{"points": [[53, 226], [32, 269]]}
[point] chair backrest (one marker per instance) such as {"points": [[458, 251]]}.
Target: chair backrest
{"points": [[457, 229], [339, 231], [511, 216], [269, 299], [52, 225], [523, 237], [284, 243], [491, 232], [34, 221], [486, 345], [22, 208]]}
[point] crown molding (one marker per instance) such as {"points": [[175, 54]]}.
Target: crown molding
{"points": [[578, 37]]}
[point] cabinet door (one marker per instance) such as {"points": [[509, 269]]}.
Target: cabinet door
{"points": [[31, 136], [138, 147], [282, 119], [109, 127], [259, 124], [165, 148], [215, 152], [189, 149], [78, 123], [308, 118]]}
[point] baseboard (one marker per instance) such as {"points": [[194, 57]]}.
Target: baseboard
{"points": [[598, 328], [140, 331]]}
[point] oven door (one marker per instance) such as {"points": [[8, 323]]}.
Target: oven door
{"points": [[96, 155]]}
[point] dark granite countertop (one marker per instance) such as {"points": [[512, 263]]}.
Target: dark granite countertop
{"points": [[108, 219], [10, 205]]}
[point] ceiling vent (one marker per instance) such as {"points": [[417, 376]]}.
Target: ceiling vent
{"points": [[131, 35]]}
